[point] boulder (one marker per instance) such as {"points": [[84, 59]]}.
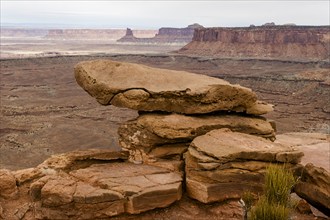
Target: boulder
{"points": [[8, 186], [313, 186], [145, 88], [222, 164], [157, 137]]}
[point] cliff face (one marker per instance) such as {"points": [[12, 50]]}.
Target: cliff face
{"points": [[103, 34], [278, 42], [164, 35]]}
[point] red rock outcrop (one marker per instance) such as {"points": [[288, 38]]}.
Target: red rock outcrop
{"points": [[164, 35], [274, 42]]}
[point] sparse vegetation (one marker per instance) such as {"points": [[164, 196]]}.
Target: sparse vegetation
{"points": [[275, 204], [264, 210], [278, 184]]}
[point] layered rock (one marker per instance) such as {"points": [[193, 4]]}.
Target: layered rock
{"points": [[159, 138], [92, 184], [151, 89], [274, 42], [314, 187], [222, 164]]}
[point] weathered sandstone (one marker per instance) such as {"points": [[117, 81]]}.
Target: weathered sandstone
{"points": [[222, 164], [156, 137], [153, 89], [8, 186], [314, 187], [88, 184]]}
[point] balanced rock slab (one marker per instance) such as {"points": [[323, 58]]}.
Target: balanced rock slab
{"points": [[157, 137], [145, 88], [222, 164]]}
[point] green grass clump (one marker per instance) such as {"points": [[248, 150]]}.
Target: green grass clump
{"points": [[278, 185], [275, 204], [263, 210]]}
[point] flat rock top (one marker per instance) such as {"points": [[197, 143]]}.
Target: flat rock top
{"points": [[122, 76], [226, 145], [126, 176], [145, 88]]}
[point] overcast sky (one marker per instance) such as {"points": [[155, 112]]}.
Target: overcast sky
{"points": [[156, 14]]}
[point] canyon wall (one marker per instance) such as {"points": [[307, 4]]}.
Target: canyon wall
{"points": [[275, 42], [95, 34], [164, 35]]}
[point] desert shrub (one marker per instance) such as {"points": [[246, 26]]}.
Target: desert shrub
{"points": [[278, 184], [275, 204], [264, 210]]}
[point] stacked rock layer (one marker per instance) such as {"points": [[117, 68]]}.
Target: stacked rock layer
{"points": [[177, 109]]}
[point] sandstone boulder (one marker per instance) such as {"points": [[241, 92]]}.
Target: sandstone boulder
{"points": [[222, 164], [158, 137], [145, 88], [8, 186], [314, 187]]}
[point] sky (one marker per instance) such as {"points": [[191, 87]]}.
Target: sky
{"points": [[156, 14]]}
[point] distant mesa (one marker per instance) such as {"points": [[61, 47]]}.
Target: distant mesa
{"points": [[269, 41], [269, 24], [164, 35], [94, 34]]}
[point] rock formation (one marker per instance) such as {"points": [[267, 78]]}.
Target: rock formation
{"points": [[223, 164], [164, 35], [314, 187], [77, 185], [162, 139], [218, 155], [153, 89], [271, 42]]}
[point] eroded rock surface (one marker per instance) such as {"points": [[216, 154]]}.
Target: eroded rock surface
{"points": [[156, 138], [145, 88], [7, 184], [314, 187], [90, 185], [222, 164]]}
